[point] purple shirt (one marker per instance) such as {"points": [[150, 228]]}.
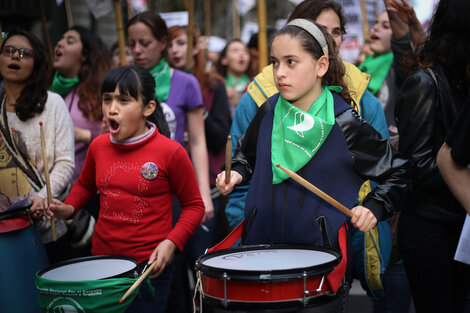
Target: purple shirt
{"points": [[185, 95], [80, 121]]}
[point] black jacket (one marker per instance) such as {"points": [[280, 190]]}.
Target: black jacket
{"points": [[373, 158], [424, 112]]}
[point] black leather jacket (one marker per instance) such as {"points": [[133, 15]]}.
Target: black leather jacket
{"points": [[373, 158], [424, 112]]}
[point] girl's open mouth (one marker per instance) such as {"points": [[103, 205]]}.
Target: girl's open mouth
{"points": [[113, 126], [14, 67]]}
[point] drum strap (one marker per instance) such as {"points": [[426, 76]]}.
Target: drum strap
{"points": [[335, 278], [230, 240]]}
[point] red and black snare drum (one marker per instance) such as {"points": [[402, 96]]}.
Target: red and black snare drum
{"points": [[266, 276]]}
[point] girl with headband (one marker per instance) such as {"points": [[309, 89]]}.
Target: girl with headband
{"points": [[310, 128]]}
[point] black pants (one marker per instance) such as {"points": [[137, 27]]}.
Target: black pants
{"points": [[438, 283]]}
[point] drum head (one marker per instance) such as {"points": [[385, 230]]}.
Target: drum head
{"points": [[273, 261], [91, 268]]}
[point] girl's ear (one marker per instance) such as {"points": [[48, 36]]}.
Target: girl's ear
{"points": [[149, 108], [323, 65]]}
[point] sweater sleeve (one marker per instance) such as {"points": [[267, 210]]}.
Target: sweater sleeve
{"points": [[184, 186], [217, 123], [60, 145], [244, 114], [85, 187], [373, 113]]}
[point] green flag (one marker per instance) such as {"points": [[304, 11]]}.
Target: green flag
{"points": [[97, 296]]}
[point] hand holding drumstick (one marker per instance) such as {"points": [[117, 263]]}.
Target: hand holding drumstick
{"points": [[159, 259], [227, 179], [361, 217], [48, 183]]}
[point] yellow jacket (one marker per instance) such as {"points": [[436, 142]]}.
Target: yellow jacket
{"points": [[263, 86]]}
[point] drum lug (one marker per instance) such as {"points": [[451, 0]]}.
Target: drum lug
{"points": [[317, 292], [224, 277]]}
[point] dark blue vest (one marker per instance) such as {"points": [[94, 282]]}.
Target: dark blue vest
{"points": [[288, 212]]}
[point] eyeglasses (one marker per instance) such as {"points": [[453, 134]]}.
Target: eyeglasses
{"points": [[23, 52]]}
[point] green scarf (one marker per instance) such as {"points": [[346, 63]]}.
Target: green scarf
{"points": [[161, 74], [239, 84], [298, 135], [377, 67], [62, 85]]}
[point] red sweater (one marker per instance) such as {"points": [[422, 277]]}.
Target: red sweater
{"points": [[135, 212]]}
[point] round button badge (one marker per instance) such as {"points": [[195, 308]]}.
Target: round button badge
{"points": [[149, 171]]}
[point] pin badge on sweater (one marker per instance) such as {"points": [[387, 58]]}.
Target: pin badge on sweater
{"points": [[149, 171]]}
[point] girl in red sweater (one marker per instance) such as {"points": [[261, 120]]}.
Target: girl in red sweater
{"points": [[137, 171]]}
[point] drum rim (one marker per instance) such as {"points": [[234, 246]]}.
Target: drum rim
{"points": [[268, 275], [91, 258]]}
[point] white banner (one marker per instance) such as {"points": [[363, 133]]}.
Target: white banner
{"points": [[245, 5], [180, 18], [138, 6], [99, 8]]}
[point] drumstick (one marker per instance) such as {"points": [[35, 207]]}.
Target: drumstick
{"points": [[228, 159], [316, 191], [48, 182], [138, 281]]}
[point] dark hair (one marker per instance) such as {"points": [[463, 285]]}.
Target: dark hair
{"points": [[136, 82], [222, 69], [96, 64], [205, 79], [336, 70], [253, 43], [33, 97], [448, 43], [311, 9], [156, 24]]}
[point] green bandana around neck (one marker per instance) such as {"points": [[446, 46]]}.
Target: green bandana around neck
{"points": [[239, 84], [62, 85], [161, 74], [298, 135], [378, 68]]}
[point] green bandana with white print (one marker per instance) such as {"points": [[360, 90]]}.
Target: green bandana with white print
{"points": [[298, 135]]}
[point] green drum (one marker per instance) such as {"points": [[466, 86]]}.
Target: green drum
{"points": [[91, 284]]}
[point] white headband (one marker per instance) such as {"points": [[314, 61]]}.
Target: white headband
{"points": [[313, 30]]}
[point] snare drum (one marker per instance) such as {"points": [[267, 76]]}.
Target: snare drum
{"points": [[91, 268], [89, 284], [279, 276]]}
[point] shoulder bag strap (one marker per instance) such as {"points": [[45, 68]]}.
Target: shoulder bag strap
{"points": [[21, 160]]}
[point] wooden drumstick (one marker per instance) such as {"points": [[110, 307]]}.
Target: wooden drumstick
{"points": [[316, 191], [48, 182], [138, 281], [228, 159]]}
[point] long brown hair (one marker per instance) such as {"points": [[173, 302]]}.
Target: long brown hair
{"points": [[96, 64], [205, 79], [336, 70], [155, 23], [33, 97]]}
